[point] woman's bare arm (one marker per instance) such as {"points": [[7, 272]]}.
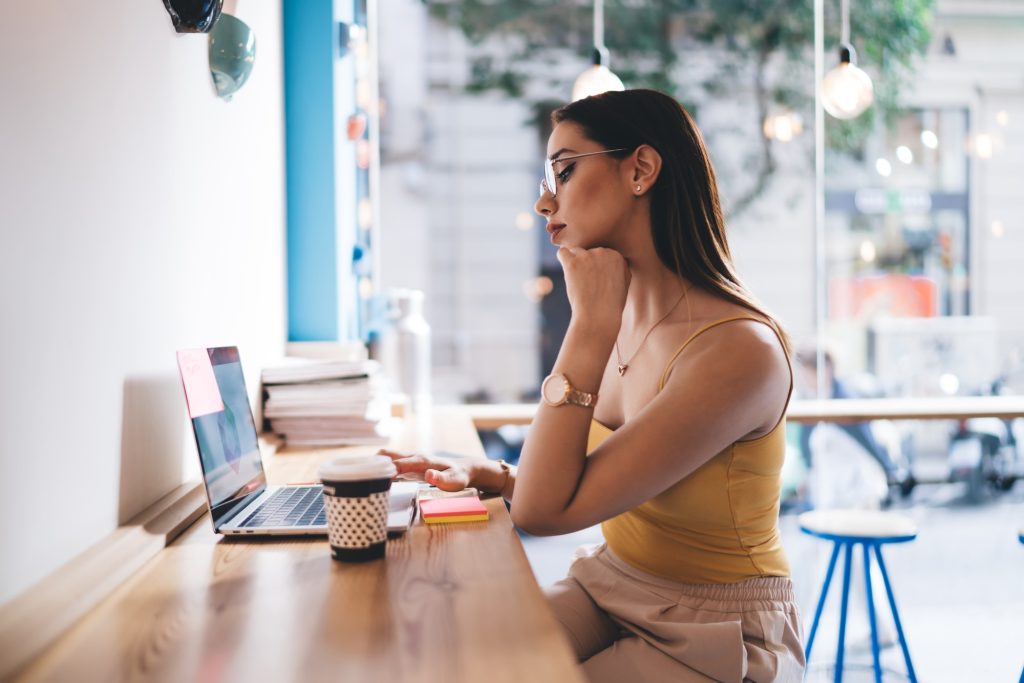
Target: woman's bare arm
{"points": [[732, 381]]}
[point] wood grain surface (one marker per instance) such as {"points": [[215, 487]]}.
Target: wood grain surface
{"points": [[37, 617], [449, 603]]}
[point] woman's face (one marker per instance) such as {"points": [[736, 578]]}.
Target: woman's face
{"points": [[592, 193]]}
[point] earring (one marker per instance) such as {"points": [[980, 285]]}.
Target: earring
{"points": [[638, 188]]}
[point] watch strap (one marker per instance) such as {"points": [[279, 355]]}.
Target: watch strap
{"points": [[580, 398], [507, 469]]}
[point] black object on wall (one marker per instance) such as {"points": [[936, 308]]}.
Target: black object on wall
{"points": [[193, 16]]}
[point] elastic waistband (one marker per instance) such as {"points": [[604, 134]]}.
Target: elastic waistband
{"points": [[761, 588]]}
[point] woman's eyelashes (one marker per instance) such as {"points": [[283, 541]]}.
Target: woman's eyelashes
{"points": [[563, 175]]}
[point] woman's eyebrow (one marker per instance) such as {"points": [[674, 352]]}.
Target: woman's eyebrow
{"points": [[561, 151]]}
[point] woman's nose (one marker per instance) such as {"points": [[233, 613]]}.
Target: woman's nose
{"points": [[545, 203]]}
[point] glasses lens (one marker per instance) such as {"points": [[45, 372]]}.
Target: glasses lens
{"points": [[549, 176]]}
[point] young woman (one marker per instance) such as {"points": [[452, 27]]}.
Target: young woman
{"points": [[663, 418]]}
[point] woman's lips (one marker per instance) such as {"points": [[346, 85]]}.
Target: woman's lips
{"points": [[554, 229]]}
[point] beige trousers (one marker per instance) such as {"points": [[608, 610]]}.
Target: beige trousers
{"points": [[627, 625]]}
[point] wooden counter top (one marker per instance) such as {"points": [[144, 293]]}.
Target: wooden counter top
{"points": [[449, 603]]}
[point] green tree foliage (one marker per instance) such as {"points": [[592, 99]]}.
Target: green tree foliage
{"points": [[762, 47]]}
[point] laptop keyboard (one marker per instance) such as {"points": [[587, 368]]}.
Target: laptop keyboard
{"points": [[292, 506]]}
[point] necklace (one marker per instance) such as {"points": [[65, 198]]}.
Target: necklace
{"points": [[622, 367]]}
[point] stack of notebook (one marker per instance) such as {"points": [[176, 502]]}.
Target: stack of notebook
{"points": [[449, 510], [326, 403]]}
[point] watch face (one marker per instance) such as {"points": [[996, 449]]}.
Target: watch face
{"points": [[554, 389]]}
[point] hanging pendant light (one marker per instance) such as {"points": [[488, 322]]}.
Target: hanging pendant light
{"points": [[846, 91], [598, 78]]}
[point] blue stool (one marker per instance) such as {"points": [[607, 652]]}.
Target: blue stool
{"points": [[870, 530]]}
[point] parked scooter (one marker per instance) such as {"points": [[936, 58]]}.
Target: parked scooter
{"points": [[985, 452]]}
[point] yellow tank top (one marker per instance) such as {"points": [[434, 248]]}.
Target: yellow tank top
{"points": [[717, 525]]}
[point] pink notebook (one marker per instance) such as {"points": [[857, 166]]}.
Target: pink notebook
{"points": [[448, 510]]}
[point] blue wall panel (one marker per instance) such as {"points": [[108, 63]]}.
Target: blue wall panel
{"points": [[309, 34]]}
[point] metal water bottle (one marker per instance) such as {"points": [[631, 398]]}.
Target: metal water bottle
{"points": [[405, 348]]}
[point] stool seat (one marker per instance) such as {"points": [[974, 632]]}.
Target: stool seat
{"points": [[858, 525]]}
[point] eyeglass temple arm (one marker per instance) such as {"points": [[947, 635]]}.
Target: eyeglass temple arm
{"points": [[588, 154]]}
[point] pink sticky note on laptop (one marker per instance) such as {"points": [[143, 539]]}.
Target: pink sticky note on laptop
{"points": [[201, 391]]}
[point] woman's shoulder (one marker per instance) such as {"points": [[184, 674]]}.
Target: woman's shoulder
{"points": [[735, 335], [739, 354], [724, 319]]}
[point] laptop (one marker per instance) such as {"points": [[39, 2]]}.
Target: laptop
{"points": [[241, 502]]}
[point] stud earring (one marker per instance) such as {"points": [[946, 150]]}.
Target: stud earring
{"points": [[638, 188]]}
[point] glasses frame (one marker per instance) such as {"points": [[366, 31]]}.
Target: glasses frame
{"points": [[549, 183]]}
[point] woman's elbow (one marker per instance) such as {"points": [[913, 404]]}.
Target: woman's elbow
{"points": [[535, 525]]}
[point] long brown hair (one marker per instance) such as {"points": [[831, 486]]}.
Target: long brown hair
{"points": [[687, 225]]}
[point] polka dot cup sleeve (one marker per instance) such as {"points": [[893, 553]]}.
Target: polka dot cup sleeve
{"points": [[356, 501]]}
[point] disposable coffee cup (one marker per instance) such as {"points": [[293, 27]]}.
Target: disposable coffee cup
{"points": [[356, 501]]}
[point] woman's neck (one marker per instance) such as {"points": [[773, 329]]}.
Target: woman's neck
{"points": [[653, 289]]}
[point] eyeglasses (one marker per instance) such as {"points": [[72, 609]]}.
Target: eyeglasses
{"points": [[549, 185]]}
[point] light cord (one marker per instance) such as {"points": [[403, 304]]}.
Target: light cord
{"points": [[844, 33]]}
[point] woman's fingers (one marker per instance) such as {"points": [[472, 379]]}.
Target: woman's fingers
{"points": [[564, 254], [420, 465], [408, 463], [451, 479]]}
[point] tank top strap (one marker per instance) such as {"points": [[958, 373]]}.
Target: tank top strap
{"points": [[708, 326]]}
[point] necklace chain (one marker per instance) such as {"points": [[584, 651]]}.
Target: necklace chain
{"points": [[622, 367]]}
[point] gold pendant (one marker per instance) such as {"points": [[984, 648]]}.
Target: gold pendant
{"points": [[622, 369]]}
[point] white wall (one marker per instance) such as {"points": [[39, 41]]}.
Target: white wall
{"points": [[139, 214]]}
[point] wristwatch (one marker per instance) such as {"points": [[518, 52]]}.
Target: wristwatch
{"points": [[557, 390]]}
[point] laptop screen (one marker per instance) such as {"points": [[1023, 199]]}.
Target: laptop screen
{"points": [[225, 432]]}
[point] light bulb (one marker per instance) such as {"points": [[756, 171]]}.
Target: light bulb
{"points": [[783, 126], [983, 145], [594, 81], [525, 220], [846, 91], [867, 251]]}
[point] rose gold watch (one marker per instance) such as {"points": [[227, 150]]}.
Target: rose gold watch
{"points": [[557, 390]]}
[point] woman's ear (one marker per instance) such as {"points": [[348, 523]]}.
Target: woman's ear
{"points": [[646, 167]]}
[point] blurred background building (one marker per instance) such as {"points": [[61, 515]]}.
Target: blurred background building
{"points": [[923, 218]]}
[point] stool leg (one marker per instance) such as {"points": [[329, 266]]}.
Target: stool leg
{"points": [[895, 615], [842, 612], [821, 601], [871, 613]]}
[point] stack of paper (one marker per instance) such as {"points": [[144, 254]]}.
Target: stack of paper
{"points": [[326, 403], [448, 510]]}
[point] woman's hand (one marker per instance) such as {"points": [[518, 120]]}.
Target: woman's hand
{"points": [[452, 475], [446, 475], [596, 281]]}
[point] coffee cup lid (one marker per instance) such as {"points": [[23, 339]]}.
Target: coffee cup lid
{"points": [[357, 468]]}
